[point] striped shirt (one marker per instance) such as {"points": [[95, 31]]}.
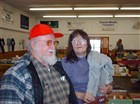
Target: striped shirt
{"points": [[16, 84]]}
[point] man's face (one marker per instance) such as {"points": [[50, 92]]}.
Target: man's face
{"points": [[45, 49], [56, 44]]}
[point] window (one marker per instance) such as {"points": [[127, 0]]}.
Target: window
{"points": [[100, 44], [95, 45]]}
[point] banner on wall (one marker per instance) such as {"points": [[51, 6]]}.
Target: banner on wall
{"points": [[53, 24], [108, 25], [72, 25], [7, 15]]}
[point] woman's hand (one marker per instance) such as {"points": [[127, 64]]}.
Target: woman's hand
{"points": [[88, 98], [105, 89]]}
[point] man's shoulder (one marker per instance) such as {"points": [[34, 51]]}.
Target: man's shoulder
{"points": [[21, 64], [18, 70]]}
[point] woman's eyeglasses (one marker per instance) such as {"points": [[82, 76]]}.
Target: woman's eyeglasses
{"points": [[79, 41]]}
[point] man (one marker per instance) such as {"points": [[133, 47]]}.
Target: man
{"points": [[37, 78], [119, 46], [56, 43], [119, 49]]}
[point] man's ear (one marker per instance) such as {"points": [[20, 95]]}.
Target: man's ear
{"points": [[33, 44]]}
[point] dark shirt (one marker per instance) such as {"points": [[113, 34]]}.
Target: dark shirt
{"points": [[119, 48]]}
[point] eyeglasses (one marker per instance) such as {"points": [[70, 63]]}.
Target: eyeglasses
{"points": [[79, 41], [48, 42]]}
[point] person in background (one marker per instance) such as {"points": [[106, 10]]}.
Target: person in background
{"points": [[119, 46], [84, 70], [37, 78], [130, 55], [118, 50], [56, 43]]}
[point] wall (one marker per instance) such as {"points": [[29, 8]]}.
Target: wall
{"points": [[10, 28], [128, 29]]}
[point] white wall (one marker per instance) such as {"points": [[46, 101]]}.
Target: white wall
{"points": [[99, 25], [114, 28], [11, 28], [129, 41], [127, 29]]}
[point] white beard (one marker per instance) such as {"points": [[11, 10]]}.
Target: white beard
{"points": [[51, 60], [45, 58]]}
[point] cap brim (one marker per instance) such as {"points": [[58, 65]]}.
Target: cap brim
{"points": [[58, 35]]}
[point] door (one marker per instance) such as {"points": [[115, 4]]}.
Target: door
{"points": [[100, 44], [105, 45], [95, 45]]}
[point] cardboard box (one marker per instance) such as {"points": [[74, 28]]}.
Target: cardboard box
{"points": [[119, 98]]}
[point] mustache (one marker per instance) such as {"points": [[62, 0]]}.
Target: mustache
{"points": [[51, 50]]}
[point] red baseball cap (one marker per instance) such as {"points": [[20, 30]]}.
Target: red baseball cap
{"points": [[42, 29]]}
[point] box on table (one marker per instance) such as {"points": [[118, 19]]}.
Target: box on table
{"points": [[135, 97], [136, 100], [119, 98]]}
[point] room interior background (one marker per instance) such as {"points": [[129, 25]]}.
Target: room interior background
{"points": [[128, 29]]}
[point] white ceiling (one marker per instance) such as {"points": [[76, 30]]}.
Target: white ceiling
{"points": [[24, 5]]}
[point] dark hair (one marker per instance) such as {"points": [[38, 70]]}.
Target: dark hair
{"points": [[70, 55], [120, 40]]}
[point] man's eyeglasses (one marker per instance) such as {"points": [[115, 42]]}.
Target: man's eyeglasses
{"points": [[79, 41], [48, 42]]}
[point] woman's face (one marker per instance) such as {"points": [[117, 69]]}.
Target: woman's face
{"points": [[79, 45]]}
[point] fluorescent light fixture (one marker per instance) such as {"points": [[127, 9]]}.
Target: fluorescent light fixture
{"points": [[60, 16], [130, 8], [96, 8], [127, 16], [90, 16], [39, 9]]}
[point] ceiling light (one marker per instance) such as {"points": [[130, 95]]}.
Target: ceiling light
{"points": [[90, 16], [127, 16], [96, 8], [130, 8], [38, 9], [61, 16]]}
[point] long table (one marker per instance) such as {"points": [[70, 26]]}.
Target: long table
{"points": [[126, 83], [124, 62]]}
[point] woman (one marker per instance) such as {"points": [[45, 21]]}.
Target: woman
{"points": [[77, 67]]}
